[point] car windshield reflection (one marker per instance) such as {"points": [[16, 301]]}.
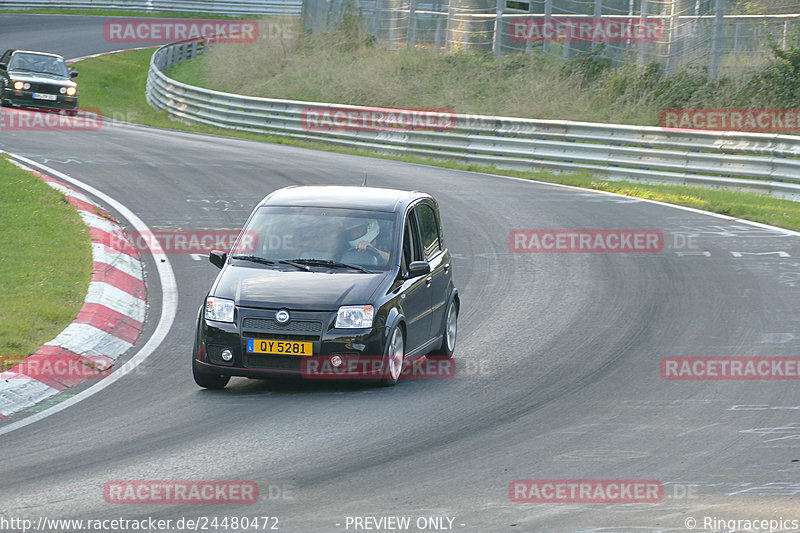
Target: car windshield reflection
{"points": [[321, 237], [39, 63]]}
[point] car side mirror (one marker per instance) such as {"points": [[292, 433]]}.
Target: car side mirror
{"points": [[73, 73], [418, 268], [217, 258], [3, 66]]}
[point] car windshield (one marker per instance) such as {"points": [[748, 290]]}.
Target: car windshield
{"points": [[327, 238], [40, 63]]}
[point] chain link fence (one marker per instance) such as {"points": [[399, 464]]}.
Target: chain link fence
{"points": [[723, 36]]}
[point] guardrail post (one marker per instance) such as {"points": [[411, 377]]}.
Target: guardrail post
{"points": [[672, 44], [376, 21], [390, 16], [450, 14], [716, 40], [598, 13], [548, 14], [337, 11], [642, 20], [412, 24], [785, 34], [437, 38], [498, 28]]}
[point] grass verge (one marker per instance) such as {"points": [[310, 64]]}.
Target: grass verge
{"points": [[115, 84], [348, 66], [45, 263]]}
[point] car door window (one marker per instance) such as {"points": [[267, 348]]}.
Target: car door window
{"points": [[411, 249], [429, 227]]}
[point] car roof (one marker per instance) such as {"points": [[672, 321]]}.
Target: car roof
{"points": [[344, 196]]}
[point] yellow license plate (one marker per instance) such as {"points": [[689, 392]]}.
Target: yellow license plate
{"points": [[279, 347]]}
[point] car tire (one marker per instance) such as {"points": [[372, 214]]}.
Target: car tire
{"points": [[449, 333], [205, 379], [394, 357], [209, 381]]}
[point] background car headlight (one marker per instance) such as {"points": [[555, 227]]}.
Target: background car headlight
{"points": [[355, 316], [219, 309], [71, 91]]}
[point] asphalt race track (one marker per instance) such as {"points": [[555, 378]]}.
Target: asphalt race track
{"points": [[558, 354]]}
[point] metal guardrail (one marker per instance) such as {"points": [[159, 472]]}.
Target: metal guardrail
{"points": [[220, 7], [763, 163]]}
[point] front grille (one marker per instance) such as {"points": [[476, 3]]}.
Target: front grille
{"points": [[279, 336], [272, 362], [267, 325], [46, 88]]}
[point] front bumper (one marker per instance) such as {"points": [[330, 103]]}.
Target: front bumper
{"points": [[308, 326], [26, 99]]}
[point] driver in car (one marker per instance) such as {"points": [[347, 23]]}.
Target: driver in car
{"points": [[364, 235]]}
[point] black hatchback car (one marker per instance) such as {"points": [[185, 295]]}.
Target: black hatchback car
{"points": [[37, 79], [334, 275]]}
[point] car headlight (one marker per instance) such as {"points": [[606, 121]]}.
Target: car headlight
{"points": [[71, 91], [20, 85], [355, 316], [219, 309]]}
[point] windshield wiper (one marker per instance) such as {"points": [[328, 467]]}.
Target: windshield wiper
{"points": [[329, 263], [265, 261], [255, 259], [295, 264]]}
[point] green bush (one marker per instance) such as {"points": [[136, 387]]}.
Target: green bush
{"points": [[588, 66], [682, 89]]}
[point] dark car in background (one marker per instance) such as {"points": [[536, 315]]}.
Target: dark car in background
{"points": [[37, 79], [332, 274]]}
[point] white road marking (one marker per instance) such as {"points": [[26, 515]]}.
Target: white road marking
{"points": [[702, 253], [779, 253]]}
